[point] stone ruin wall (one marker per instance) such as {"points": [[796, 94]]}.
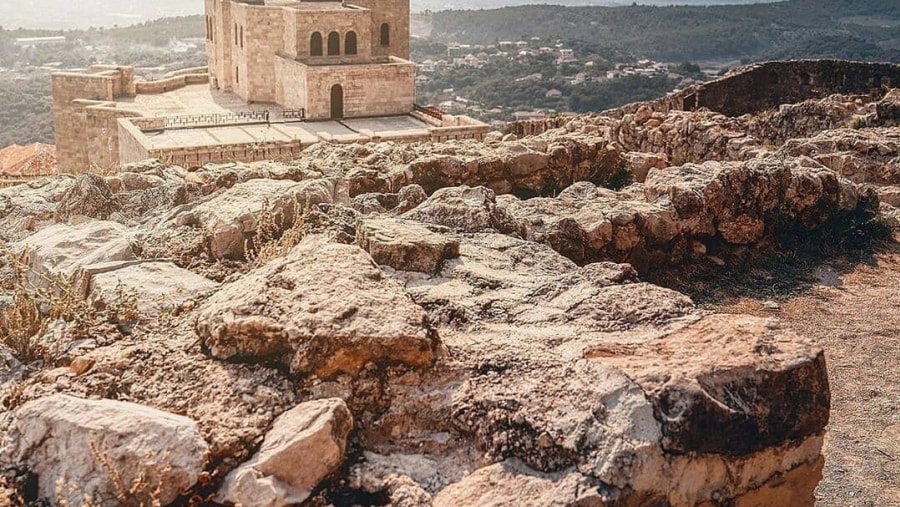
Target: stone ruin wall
{"points": [[85, 117], [86, 114], [762, 86], [756, 88], [174, 80]]}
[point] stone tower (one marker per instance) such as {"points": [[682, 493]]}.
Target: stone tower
{"points": [[331, 59]]}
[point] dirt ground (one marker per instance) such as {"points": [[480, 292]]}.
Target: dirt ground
{"points": [[851, 306]]}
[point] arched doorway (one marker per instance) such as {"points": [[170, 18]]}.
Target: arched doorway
{"points": [[337, 102]]}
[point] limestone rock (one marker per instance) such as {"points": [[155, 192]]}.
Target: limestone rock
{"points": [[584, 413], [230, 218], [889, 195], [405, 245], [465, 209], [888, 108], [511, 482], [400, 477], [11, 370], [90, 196], [80, 444], [709, 375], [869, 155], [24, 208], [641, 163], [61, 250], [155, 287], [890, 215], [323, 309], [305, 445]]}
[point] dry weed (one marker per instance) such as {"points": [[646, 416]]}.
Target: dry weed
{"points": [[277, 232], [144, 490], [33, 309]]}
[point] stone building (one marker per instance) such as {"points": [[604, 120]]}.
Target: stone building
{"points": [[281, 75], [333, 59]]}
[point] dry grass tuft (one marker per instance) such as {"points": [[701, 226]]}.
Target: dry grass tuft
{"points": [[143, 491], [33, 309], [277, 232]]}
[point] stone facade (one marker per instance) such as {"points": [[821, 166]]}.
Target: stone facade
{"points": [[333, 59], [83, 117]]}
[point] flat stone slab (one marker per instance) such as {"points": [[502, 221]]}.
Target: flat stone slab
{"points": [[62, 250], [157, 287]]}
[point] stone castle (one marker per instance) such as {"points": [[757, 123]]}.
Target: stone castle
{"points": [[281, 75]]}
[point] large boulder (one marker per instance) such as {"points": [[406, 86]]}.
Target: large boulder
{"points": [[323, 309], [104, 450], [305, 445], [756, 393], [405, 245]]}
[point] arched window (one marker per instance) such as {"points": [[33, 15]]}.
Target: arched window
{"points": [[350, 43], [235, 34], [334, 44], [385, 34], [237, 75], [315, 44], [242, 36]]}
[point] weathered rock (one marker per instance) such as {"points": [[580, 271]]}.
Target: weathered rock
{"points": [[890, 215], [323, 309], [641, 163], [466, 209], [11, 370], [756, 393], [305, 445], [90, 196], [888, 108], [583, 414], [153, 287], [24, 208], [512, 483], [230, 219], [506, 280], [889, 195], [61, 250], [399, 477], [101, 449], [405, 245], [860, 155]]}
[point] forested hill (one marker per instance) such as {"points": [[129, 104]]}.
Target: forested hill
{"points": [[851, 29]]}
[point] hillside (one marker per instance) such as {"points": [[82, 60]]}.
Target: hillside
{"points": [[65, 14], [586, 316], [851, 29]]}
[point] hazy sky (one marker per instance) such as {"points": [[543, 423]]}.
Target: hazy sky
{"points": [[85, 13]]}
